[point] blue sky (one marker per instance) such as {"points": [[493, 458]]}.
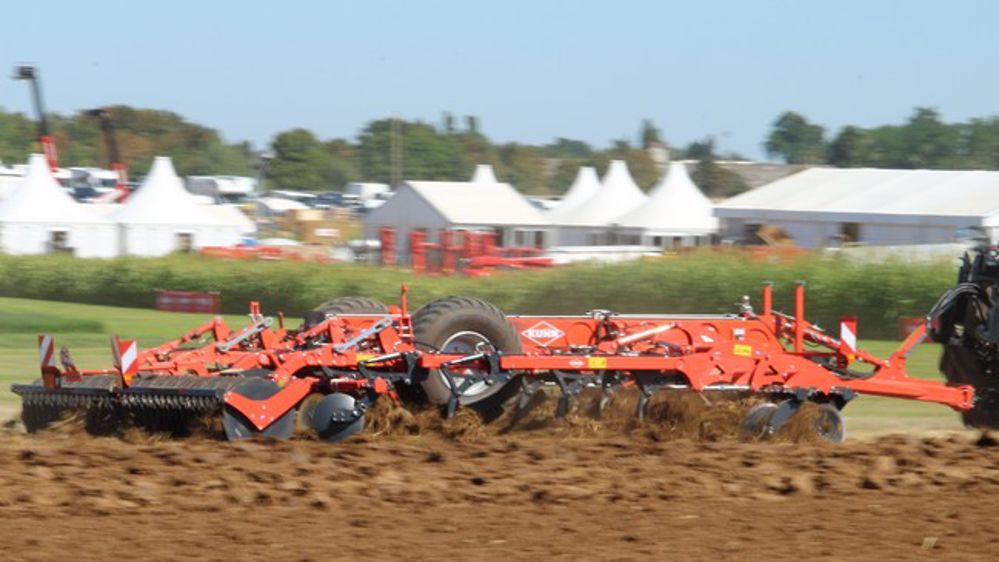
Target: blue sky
{"points": [[532, 70]]}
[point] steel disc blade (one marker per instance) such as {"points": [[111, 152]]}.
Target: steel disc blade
{"points": [[238, 427], [337, 417], [755, 421], [829, 424], [306, 412]]}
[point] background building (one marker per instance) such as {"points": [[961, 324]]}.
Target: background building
{"points": [[433, 206], [832, 206]]}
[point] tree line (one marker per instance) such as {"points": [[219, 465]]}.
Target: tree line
{"points": [[386, 150], [924, 141], [141, 133], [389, 150]]}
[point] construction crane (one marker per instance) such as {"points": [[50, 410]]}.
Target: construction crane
{"points": [[30, 73], [103, 117]]}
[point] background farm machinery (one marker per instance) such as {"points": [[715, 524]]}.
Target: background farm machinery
{"points": [[267, 379]]}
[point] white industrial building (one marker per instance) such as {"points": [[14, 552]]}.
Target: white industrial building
{"points": [[39, 217], [831, 206], [675, 215], [481, 205], [586, 222], [161, 217]]}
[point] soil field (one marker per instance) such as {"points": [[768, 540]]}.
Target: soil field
{"points": [[413, 487]]}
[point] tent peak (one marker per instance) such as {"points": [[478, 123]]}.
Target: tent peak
{"points": [[484, 174]]}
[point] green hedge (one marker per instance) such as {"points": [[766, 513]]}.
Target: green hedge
{"points": [[711, 282]]}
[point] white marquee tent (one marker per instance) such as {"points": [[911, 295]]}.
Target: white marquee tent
{"points": [[587, 223], [162, 217], [585, 186], [10, 178], [39, 217], [233, 215], [676, 213], [484, 174]]}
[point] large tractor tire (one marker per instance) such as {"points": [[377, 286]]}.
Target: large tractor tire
{"points": [[463, 325], [344, 305], [352, 305], [962, 365]]}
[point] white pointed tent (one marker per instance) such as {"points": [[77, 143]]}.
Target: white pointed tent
{"points": [[232, 214], [583, 188], [588, 222], [39, 217], [618, 194], [162, 217], [484, 174], [676, 208]]}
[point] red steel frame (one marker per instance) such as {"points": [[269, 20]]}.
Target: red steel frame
{"points": [[757, 352]]}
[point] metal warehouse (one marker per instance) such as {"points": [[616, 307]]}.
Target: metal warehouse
{"points": [[828, 206]]}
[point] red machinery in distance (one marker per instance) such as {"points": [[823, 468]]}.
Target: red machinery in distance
{"points": [[473, 253], [386, 237], [30, 73]]}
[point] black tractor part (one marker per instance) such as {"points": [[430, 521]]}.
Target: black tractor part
{"points": [[965, 321]]}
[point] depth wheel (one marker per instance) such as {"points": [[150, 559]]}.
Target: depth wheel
{"points": [[463, 326]]}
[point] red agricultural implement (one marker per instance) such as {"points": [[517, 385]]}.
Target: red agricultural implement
{"points": [[471, 253], [267, 379]]}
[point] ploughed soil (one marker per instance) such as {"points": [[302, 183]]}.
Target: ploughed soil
{"points": [[679, 486]]}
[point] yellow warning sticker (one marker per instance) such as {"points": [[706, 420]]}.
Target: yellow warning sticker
{"points": [[596, 363], [364, 357], [743, 350]]}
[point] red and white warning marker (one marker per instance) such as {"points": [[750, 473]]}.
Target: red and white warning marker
{"points": [[848, 332], [126, 358]]}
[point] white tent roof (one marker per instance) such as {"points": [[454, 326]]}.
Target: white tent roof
{"points": [[105, 210], [484, 203], [585, 186], [162, 199], [675, 206], [618, 194], [484, 174], [39, 199], [233, 215], [862, 193]]}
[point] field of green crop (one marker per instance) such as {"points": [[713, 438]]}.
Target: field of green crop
{"points": [[705, 282], [86, 330]]}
